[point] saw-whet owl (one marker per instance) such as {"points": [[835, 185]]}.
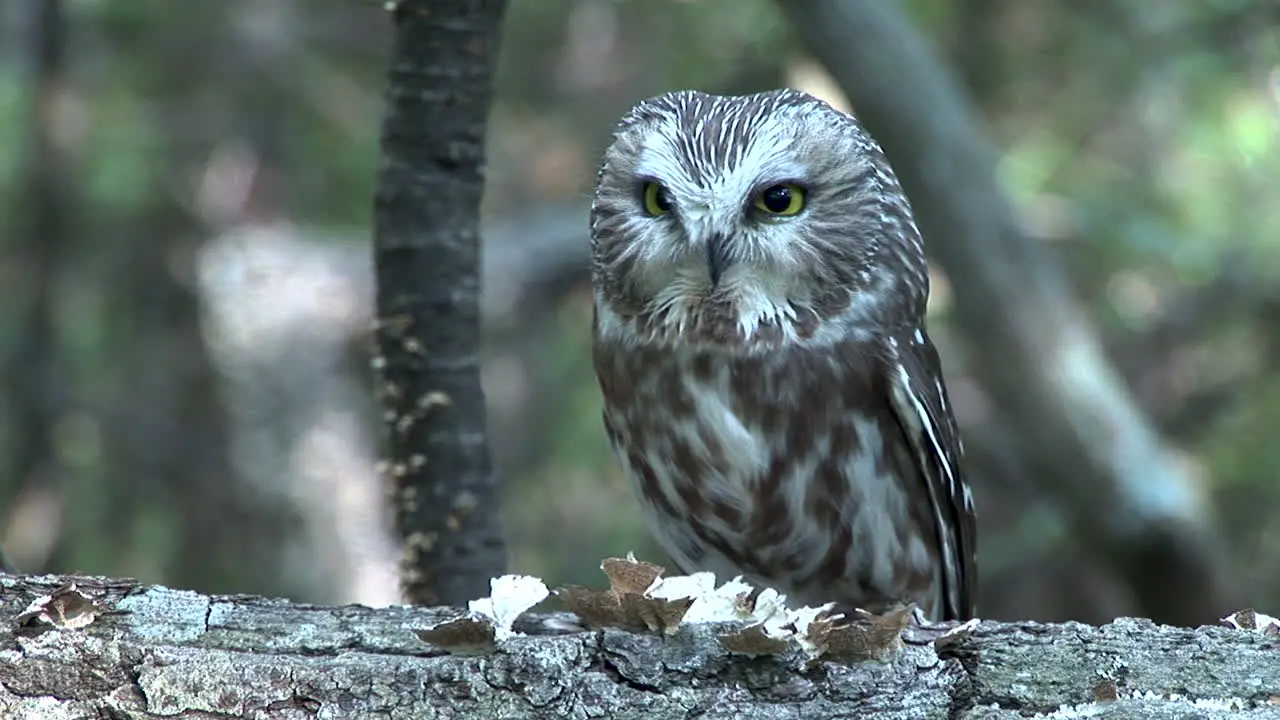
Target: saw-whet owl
{"points": [[759, 341]]}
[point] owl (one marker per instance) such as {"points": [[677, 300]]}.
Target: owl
{"points": [[759, 341]]}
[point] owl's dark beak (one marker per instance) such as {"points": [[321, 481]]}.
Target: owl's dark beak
{"points": [[717, 257]]}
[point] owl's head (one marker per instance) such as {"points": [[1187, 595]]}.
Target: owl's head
{"points": [[750, 220]]}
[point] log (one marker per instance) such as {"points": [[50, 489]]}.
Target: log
{"points": [[140, 651]]}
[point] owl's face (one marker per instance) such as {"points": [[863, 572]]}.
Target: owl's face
{"points": [[734, 219]]}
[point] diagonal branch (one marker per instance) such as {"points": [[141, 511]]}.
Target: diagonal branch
{"points": [[1081, 440]]}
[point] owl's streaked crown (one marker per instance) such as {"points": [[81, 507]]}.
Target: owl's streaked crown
{"points": [[849, 261]]}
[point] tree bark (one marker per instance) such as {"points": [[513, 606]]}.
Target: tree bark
{"points": [[1080, 438], [151, 652], [427, 262]]}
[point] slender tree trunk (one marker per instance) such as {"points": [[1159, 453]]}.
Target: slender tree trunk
{"points": [[35, 383], [427, 258]]}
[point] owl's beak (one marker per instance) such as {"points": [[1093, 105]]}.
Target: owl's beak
{"points": [[717, 257]]}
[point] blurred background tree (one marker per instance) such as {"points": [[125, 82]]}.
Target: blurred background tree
{"points": [[186, 285]]}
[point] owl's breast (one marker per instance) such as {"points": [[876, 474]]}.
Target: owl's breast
{"points": [[768, 465], [705, 434], [689, 416], [692, 445]]}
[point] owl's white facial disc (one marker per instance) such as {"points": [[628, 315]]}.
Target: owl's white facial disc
{"points": [[714, 240], [713, 244]]}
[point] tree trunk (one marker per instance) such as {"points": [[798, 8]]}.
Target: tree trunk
{"points": [[427, 262], [35, 379]]}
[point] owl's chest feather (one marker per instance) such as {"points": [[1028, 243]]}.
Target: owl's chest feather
{"points": [[707, 434], [775, 465], [714, 420]]}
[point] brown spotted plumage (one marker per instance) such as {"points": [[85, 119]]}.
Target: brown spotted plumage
{"points": [[769, 388]]}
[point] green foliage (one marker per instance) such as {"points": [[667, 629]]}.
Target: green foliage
{"points": [[1143, 140], [13, 114], [1140, 139]]}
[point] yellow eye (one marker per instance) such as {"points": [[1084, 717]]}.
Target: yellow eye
{"points": [[657, 201], [781, 200]]}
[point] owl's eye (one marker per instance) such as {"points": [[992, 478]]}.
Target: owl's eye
{"points": [[781, 200], [657, 201]]}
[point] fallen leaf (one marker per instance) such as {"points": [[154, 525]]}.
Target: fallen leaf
{"points": [[754, 641], [67, 608], [628, 575], [471, 634]]}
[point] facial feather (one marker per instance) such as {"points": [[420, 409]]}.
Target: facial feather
{"points": [[802, 278]]}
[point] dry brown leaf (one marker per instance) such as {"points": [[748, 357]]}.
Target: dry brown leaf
{"points": [[628, 575], [654, 614], [868, 637], [470, 634], [624, 605], [597, 608], [626, 611], [753, 641], [67, 608]]}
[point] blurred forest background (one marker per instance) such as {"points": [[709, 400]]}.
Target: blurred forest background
{"points": [[186, 289]]}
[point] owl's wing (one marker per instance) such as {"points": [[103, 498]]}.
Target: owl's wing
{"points": [[919, 400]]}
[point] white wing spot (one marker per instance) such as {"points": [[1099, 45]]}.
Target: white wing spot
{"points": [[904, 397]]}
